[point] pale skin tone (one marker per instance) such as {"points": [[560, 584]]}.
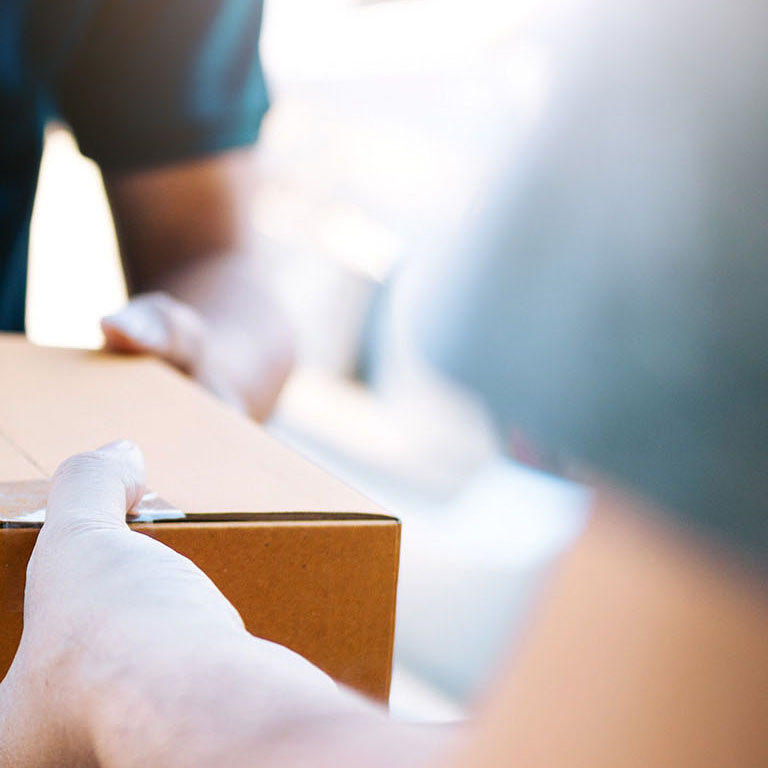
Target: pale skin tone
{"points": [[198, 298], [645, 649]]}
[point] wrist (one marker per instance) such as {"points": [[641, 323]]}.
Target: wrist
{"points": [[247, 365], [218, 699]]}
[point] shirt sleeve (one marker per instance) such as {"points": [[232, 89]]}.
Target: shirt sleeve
{"points": [[145, 83]]}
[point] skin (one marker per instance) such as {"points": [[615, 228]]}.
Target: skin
{"points": [[646, 649], [130, 656], [198, 299]]}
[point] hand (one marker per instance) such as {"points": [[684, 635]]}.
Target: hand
{"points": [[126, 641], [247, 373]]}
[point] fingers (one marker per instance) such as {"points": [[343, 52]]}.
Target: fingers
{"points": [[98, 487], [158, 324]]}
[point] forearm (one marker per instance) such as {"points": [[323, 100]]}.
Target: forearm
{"points": [[647, 648], [248, 338], [215, 319], [186, 231], [131, 656], [244, 702]]}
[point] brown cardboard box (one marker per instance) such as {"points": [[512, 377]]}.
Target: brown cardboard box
{"points": [[312, 566]]}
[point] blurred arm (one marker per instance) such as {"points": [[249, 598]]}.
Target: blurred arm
{"points": [[646, 650], [184, 232]]}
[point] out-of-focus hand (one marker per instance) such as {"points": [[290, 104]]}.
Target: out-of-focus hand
{"points": [[246, 371], [121, 632]]}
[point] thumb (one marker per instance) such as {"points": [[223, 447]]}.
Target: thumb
{"points": [[98, 487], [158, 324]]}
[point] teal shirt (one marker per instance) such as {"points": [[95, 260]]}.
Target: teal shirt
{"points": [[613, 300], [140, 83]]}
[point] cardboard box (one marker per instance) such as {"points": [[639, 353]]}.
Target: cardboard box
{"points": [[307, 561]]}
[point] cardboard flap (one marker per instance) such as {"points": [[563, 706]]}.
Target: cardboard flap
{"points": [[56, 402]]}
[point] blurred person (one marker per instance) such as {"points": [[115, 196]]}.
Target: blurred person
{"points": [[167, 97], [615, 311]]}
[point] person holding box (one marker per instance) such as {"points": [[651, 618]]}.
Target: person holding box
{"points": [[167, 98]]}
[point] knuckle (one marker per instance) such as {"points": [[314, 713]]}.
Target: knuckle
{"points": [[184, 316], [82, 463], [151, 297], [98, 468], [162, 302], [180, 319], [75, 528]]}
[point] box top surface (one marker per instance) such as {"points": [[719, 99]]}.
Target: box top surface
{"points": [[200, 455]]}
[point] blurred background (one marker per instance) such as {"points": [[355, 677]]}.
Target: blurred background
{"points": [[389, 122]]}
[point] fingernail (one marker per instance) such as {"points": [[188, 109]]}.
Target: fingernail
{"points": [[144, 328], [125, 451], [119, 445]]}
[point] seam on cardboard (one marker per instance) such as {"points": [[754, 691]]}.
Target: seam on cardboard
{"points": [[31, 459]]}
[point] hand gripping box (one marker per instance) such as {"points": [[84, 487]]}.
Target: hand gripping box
{"points": [[308, 562]]}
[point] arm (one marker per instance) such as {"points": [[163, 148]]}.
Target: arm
{"points": [[131, 657], [188, 251], [648, 648]]}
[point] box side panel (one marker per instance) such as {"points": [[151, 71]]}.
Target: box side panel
{"points": [[326, 590], [15, 548]]}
